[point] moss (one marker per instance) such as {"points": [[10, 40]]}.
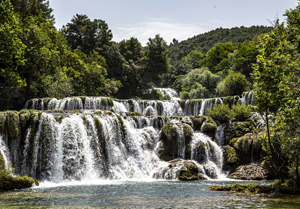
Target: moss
{"points": [[110, 102], [198, 121], [188, 131], [104, 101], [133, 114], [98, 112], [84, 118], [74, 111], [46, 101], [98, 124], [2, 161], [211, 147], [83, 99], [9, 182], [123, 129], [209, 128], [55, 111], [108, 112], [169, 131], [181, 103], [191, 173], [12, 121], [231, 156], [25, 119], [2, 124], [248, 147], [59, 119]]}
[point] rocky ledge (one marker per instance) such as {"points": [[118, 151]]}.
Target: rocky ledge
{"points": [[253, 171]]}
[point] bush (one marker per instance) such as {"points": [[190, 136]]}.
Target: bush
{"points": [[241, 112], [8, 182], [221, 113], [233, 84]]}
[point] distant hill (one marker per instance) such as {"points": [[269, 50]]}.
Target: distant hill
{"points": [[206, 41]]}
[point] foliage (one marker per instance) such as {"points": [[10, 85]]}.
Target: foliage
{"points": [[204, 42], [198, 121], [87, 35], [233, 84], [241, 112], [221, 113], [9, 182], [199, 83], [217, 58], [209, 128]]}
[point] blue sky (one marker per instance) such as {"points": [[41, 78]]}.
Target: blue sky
{"points": [[144, 19]]}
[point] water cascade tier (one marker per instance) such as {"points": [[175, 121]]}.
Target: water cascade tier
{"points": [[87, 138], [173, 107]]}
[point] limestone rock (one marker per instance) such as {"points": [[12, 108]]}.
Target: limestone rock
{"points": [[253, 171]]}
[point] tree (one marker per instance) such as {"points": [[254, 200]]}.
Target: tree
{"points": [[87, 35], [244, 59], [131, 49], [199, 83], [156, 62], [217, 59], [233, 84], [11, 56]]}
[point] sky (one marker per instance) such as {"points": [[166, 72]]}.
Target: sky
{"points": [[183, 19]]}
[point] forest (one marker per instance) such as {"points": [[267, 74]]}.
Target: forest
{"points": [[37, 60]]}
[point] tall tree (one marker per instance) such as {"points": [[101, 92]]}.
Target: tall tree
{"points": [[11, 56], [156, 62], [87, 35]]}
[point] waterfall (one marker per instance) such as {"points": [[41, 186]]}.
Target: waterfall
{"points": [[107, 141], [4, 151], [206, 150]]}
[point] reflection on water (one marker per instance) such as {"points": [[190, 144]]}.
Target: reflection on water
{"points": [[133, 194]]}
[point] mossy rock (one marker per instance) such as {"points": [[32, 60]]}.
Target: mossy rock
{"points": [[133, 114], [198, 122], [12, 121], [238, 129], [9, 182], [169, 136], [248, 148], [169, 131], [210, 129], [231, 156], [2, 123], [188, 133], [186, 120], [189, 173]]}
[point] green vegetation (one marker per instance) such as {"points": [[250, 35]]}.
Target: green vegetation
{"points": [[276, 90], [241, 112], [221, 113], [210, 128], [191, 173], [8, 182], [198, 121], [278, 188]]}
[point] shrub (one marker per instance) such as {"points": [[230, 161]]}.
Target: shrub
{"points": [[241, 112], [8, 182], [221, 113]]}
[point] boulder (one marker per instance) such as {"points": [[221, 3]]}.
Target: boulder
{"points": [[253, 171]]}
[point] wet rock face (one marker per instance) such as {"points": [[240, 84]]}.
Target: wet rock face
{"points": [[178, 169], [253, 171], [190, 172]]}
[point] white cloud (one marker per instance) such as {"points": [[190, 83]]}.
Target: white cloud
{"points": [[168, 30]]}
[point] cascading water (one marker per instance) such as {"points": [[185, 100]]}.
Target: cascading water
{"points": [[97, 144]]}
